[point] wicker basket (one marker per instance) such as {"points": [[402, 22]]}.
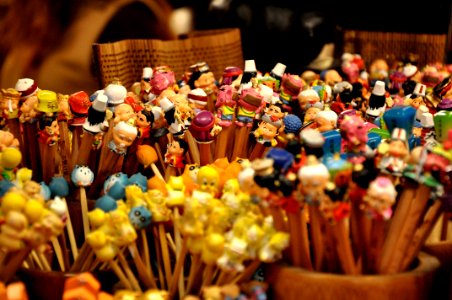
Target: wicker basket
{"points": [[428, 48], [124, 60]]}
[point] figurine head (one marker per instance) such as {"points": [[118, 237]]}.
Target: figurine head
{"points": [[208, 179], [124, 134]]}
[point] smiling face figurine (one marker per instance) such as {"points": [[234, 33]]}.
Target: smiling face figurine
{"points": [[123, 112]]}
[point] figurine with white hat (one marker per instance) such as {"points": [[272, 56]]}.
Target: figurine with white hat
{"points": [[395, 153], [96, 114], [27, 87], [377, 101], [417, 100], [249, 72]]}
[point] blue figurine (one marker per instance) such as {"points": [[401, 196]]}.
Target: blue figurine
{"points": [[115, 185], [140, 217]]}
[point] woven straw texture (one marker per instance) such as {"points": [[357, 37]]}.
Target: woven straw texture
{"points": [[125, 60], [392, 46]]}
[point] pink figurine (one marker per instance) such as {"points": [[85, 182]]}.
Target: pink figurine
{"points": [[380, 197], [250, 103], [290, 88], [225, 105], [162, 79], [354, 135]]}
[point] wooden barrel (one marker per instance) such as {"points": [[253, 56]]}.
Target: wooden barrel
{"points": [[286, 282]]}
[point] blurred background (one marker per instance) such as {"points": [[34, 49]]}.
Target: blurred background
{"points": [[294, 32]]}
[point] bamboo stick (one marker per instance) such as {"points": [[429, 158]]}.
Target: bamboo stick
{"points": [[248, 272], [241, 135], [133, 280], [159, 259], [84, 206], [306, 261], [344, 248], [415, 214], [177, 270], [59, 253], [165, 253], [145, 274], [194, 269], [146, 254], [422, 233], [395, 227], [222, 145], [122, 277], [70, 233], [316, 236]]}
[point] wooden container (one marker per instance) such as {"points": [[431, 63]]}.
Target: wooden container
{"points": [[286, 282], [44, 285], [442, 287]]}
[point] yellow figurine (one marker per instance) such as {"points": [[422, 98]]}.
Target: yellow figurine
{"points": [[208, 180], [156, 203], [13, 230], [176, 191], [213, 247]]}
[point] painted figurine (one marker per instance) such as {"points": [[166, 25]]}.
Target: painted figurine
{"points": [[394, 155], [10, 103], [175, 153], [226, 105], [123, 136], [249, 104], [49, 132], [267, 131], [380, 196], [144, 121]]}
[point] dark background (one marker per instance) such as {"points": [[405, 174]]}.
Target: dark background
{"points": [[294, 32]]}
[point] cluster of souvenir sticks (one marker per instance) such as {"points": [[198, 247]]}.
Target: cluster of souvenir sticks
{"points": [[249, 162]]}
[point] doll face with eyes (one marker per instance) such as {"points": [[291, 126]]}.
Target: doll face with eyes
{"points": [[53, 128], [174, 148], [310, 114], [267, 130], [124, 112], [123, 138], [142, 121], [417, 102], [208, 179], [274, 110], [398, 148]]}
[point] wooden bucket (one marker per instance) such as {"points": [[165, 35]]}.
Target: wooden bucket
{"points": [[286, 282]]}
